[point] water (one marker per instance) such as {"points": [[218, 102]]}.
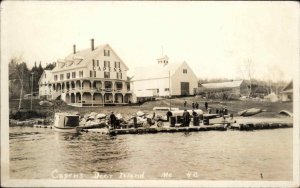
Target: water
{"points": [[213, 155]]}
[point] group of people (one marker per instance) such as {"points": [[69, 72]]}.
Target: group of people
{"points": [[186, 116], [195, 105]]}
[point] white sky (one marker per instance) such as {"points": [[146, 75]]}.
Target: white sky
{"points": [[214, 38]]}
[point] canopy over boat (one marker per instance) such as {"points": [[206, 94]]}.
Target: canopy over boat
{"points": [[66, 120]]}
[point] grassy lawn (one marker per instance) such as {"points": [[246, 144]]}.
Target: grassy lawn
{"points": [[272, 109]]}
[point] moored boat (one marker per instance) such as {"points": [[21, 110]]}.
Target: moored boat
{"points": [[66, 123]]}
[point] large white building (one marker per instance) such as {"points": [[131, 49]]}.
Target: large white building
{"points": [[163, 80], [91, 77], [45, 85]]}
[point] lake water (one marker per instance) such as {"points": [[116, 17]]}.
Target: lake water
{"points": [[230, 155]]}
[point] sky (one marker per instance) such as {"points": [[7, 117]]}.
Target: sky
{"points": [[216, 39]]}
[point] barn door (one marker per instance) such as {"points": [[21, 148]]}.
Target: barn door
{"points": [[185, 88]]}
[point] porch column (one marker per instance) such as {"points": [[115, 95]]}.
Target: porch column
{"points": [[92, 95], [103, 99], [70, 85], [81, 84], [75, 98], [103, 85], [123, 98]]}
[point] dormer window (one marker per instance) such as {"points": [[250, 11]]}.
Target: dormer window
{"points": [[184, 71]]}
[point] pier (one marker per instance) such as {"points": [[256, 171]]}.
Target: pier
{"points": [[165, 128]]}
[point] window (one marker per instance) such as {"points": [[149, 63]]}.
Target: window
{"points": [[93, 63], [68, 75], [97, 63], [106, 53], [73, 74], [80, 74], [117, 64], [106, 63], [119, 75], [55, 77], [166, 89], [92, 73], [184, 71], [106, 74], [61, 76]]}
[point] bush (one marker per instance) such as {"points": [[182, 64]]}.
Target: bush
{"points": [[28, 114]]}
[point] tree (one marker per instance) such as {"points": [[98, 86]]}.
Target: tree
{"points": [[247, 70], [50, 66], [18, 77]]}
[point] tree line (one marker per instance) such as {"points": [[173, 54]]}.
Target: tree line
{"points": [[23, 79]]}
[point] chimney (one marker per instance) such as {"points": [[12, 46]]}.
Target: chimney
{"points": [[92, 44], [74, 49]]}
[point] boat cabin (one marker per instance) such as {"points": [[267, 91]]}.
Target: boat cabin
{"points": [[66, 120]]}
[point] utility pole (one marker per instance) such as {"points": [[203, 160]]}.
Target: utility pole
{"points": [[31, 90]]}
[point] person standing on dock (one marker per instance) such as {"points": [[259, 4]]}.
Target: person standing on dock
{"points": [[225, 111], [184, 104], [197, 105], [193, 105], [169, 114], [206, 105], [186, 118], [113, 120], [194, 113]]}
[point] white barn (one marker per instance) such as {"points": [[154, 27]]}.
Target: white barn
{"points": [[163, 80]]}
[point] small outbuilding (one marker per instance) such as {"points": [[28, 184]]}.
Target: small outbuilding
{"points": [[224, 90], [287, 92]]}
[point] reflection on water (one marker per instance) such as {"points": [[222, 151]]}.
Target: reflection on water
{"points": [[230, 155]]}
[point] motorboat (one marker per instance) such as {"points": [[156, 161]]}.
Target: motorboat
{"points": [[66, 123]]}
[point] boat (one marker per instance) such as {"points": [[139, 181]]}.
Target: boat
{"points": [[66, 123], [250, 112]]}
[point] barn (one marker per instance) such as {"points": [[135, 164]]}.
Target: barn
{"points": [[224, 90], [163, 80]]}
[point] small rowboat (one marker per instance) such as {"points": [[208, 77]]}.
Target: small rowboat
{"points": [[66, 123]]}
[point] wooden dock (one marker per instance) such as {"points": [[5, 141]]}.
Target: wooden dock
{"points": [[216, 125]]}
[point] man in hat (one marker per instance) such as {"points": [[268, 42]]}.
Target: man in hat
{"points": [[113, 120], [197, 105], [186, 118], [169, 114]]}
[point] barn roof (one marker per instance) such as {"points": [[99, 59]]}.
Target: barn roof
{"points": [[155, 71], [230, 84], [288, 88], [82, 58]]}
